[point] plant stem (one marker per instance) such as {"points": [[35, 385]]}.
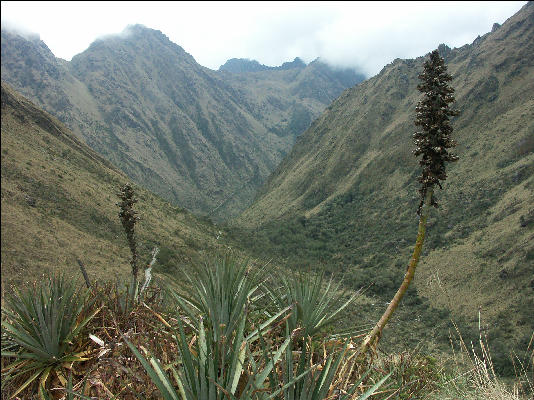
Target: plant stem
{"points": [[374, 336], [84, 273]]}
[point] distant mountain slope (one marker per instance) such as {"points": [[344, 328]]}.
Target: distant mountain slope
{"points": [[59, 204], [345, 197], [200, 138], [240, 65]]}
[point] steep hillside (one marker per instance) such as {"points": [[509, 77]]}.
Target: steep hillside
{"points": [[345, 197], [59, 204], [203, 139]]}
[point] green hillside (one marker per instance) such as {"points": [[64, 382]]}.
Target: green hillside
{"points": [[203, 139], [341, 202], [345, 198], [59, 205]]}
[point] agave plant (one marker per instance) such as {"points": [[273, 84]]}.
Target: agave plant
{"points": [[255, 376], [323, 380], [218, 359], [221, 292], [201, 372], [39, 326], [317, 304]]}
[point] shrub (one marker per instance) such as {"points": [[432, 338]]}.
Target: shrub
{"points": [[317, 304]]}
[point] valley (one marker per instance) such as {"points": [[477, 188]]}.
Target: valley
{"points": [[302, 169], [345, 199], [200, 138]]}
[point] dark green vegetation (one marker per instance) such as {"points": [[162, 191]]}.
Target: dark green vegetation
{"points": [[203, 139], [345, 198], [39, 325]]}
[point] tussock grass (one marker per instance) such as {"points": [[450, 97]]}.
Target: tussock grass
{"points": [[475, 378]]}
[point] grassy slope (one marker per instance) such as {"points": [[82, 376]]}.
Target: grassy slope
{"points": [[201, 138], [59, 204], [345, 197]]}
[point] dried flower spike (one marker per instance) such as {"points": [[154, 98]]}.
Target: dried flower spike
{"points": [[128, 217], [432, 115]]}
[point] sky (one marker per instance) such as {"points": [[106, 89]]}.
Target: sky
{"points": [[362, 35]]}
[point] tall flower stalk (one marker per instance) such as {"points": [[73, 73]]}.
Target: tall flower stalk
{"points": [[432, 143], [129, 217]]}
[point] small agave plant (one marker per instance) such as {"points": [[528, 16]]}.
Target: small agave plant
{"points": [[39, 326], [317, 303], [226, 361]]}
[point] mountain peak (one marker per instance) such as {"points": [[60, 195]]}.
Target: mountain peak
{"points": [[137, 39], [240, 65], [8, 28], [136, 31], [140, 30], [296, 63]]}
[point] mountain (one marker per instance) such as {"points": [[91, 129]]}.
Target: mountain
{"points": [[59, 205], [345, 197], [200, 138], [239, 65], [244, 65]]}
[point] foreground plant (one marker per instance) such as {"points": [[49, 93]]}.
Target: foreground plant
{"points": [[317, 304], [315, 307], [40, 327], [215, 355], [432, 143], [227, 352]]}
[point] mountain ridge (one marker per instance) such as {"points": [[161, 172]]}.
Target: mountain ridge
{"points": [[201, 138], [240, 65]]}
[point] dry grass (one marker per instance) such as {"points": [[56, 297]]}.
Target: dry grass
{"points": [[475, 377], [59, 204]]}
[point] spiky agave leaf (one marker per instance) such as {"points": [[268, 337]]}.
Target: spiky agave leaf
{"points": [[43, 322], [318, 304]]}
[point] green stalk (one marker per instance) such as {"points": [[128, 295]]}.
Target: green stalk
{"points": [[374, 336]]}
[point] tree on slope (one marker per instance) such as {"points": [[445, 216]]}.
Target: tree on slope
{"points": [[432, 142]]}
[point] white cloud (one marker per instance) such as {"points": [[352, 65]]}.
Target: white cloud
{"points": [[366, 35]]}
